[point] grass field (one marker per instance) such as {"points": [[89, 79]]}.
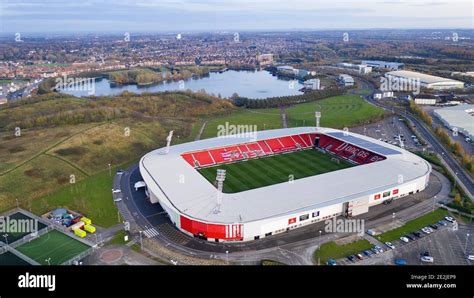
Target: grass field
{"points": [[337, 112], [332, 250], [413, 225], [55, 245], [255, 173]]}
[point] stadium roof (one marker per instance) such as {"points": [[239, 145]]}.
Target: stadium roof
{"points": [[460, 116], [424, 78], [197, 197]]}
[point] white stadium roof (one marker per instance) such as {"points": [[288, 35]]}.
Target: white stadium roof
{"points": [[196, 197]]}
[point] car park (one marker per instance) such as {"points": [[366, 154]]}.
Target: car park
{"points": [[390, 245], [404, 239]]}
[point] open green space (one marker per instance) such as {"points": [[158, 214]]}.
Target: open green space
{"points": [[91, 196], [264, 171], [331, 250], [336, 112], [53, 246], [413, 225]]}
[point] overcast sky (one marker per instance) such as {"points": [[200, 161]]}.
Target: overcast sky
{"points": [[215, 15]]}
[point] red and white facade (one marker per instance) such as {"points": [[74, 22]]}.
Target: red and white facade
{"points": [[385, 172]]}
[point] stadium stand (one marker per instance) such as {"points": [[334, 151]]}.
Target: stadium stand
{"points": [[260, 148]]}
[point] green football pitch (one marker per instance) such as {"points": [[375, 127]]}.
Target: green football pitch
{"points": [[255, 173], [55, 246]]}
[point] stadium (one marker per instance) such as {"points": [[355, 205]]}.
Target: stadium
{"points": [[276, 180]]}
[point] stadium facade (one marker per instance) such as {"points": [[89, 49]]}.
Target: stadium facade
{"points": [[197, 208]]}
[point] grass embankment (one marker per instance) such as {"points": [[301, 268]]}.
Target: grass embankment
{"points": [[413, 225], [331, 250]]}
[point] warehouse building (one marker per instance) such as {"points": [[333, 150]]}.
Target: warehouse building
{"points": [[426, 81], [460, 118]]}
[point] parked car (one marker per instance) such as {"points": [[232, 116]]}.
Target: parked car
{"points": [[375, 251], [117, 199], [400, 262], [120, 171], [359, 256], [417, 234], [427, 259], [404, 239], [378, 248], [116, 190], [426, 231], [429, 229], [331, 262], [434, 226], [371, 232], [367, 253], [470, 257], [389, 244], [409, 237], [351, 258], [449, 218], [443, 223]]}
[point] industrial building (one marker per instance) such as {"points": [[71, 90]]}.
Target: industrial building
{"points": [[426, 99], [381, 172], [360, 68], [460, 118], [346, 80], [312, 84], [425, 80], [383, 64]]}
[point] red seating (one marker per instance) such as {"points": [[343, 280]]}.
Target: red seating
{"points": [[299, 140], [307, 139], [204, 158], [264, 147], [282, 144], [288, 143]]}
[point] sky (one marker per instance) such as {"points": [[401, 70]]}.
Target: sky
{"points": [[57, 16]]}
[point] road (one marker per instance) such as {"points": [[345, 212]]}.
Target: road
{"points": [[462, 177]]}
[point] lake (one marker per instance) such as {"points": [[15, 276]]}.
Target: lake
{"points": [[252, 84]]}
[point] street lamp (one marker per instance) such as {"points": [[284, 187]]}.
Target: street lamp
{"points": [[227, 256], [141, 240], [17, 204], [393, 219], [6, 239], [49, 261], [465, 246], [434, 202], [319, 245]]}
